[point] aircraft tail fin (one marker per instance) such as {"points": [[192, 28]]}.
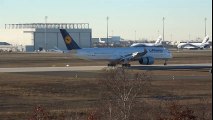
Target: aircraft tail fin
{"points": [[100, 41], [159, 40], [70, 43], [205, 40]]}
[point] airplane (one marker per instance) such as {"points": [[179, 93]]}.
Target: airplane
{"points": [[202, 45], [157, 43], [101, 42], [115, 56], [57, 50]]}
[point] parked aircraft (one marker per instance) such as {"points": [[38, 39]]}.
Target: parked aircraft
{"points": [[57, 50], [157, 43], [115, 56], [101, 42], [202, 45]]}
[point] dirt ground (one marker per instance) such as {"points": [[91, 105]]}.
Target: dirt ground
{"points": [[80, 91]]}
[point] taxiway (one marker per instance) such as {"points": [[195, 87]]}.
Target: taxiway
{"points": [[97, 68]]}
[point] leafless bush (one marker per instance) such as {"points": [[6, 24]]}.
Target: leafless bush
{"points": [[205, 112], [175, 111], [122, 87], [41, 113], [93, 116]]}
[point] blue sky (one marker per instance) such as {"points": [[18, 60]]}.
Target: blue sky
{"points": [[183, 17]]}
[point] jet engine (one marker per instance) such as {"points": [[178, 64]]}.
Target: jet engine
{"points": [[147, 60]]}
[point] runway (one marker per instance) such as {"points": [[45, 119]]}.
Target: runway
{"points": [[51, 69], [173, 67], [97, 68]]}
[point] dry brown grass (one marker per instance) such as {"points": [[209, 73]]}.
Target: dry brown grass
{"points": [[62, 91]]}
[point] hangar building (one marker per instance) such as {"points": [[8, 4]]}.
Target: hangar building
{"points": [[36, 36]]}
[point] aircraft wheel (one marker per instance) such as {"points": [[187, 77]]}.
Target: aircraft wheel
{"points": [[126, 65], [111, 65], [165, 63]]}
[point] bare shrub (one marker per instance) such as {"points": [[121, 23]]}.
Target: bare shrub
{"points": [[93, 116], [39, 113], [205, 111], [121, 88], [177, 112]]}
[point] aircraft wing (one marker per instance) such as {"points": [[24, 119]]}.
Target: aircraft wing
{"points": [[133, 56], [57, 50]]}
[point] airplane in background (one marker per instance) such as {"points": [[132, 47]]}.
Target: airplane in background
{"points": [[157, 43], [115, 56], [202, 45], [57, 50], [101, 42]]}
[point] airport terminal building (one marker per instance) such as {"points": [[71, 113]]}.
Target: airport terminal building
{"points": [[47, 36]]}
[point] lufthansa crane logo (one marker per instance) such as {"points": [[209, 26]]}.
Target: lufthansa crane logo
{"points": [[68, 39]]}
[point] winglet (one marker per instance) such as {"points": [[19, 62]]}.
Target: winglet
{"points": [[70, 43]]}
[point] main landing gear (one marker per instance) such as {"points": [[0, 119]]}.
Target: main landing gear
{"points": [[111, 65], [123, 65], [126, 65], [165, 63]]}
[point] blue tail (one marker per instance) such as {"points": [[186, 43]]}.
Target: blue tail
{"points": [[70, 43]]}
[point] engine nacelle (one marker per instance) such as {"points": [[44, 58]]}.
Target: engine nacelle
{"points": [[147, 60]]}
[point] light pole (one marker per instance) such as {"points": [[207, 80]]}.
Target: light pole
{"points": [[107, 31], [205, 26], [45, 34], [163, 28]]}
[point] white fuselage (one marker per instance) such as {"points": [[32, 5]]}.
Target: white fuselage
{"points": [[145, 45], [113, 54], [202, 45], [192, 45], [157, 43]]}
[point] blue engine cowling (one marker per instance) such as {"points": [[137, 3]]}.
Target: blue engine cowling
{"points": [[147, 60]]}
